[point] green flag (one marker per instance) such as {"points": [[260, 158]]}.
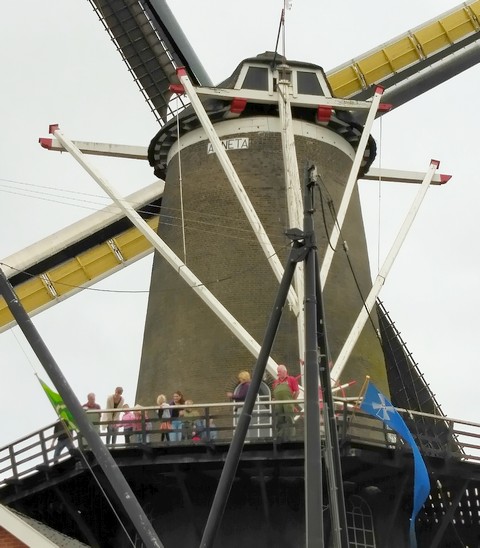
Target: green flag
{"points": [[59, 406]]}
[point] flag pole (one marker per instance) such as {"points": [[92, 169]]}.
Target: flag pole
{"points": [[362, 392], [361, 395]]}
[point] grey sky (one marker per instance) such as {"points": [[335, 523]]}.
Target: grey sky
{"points": [[59, 66]]}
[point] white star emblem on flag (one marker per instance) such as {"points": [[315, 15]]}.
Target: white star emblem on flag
{"points": [[381, 408]]}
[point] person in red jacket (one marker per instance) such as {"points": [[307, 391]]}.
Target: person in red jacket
{"points": [[285, 388]]}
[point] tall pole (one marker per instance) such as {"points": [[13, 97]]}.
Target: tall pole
{"points": [[293, 187], [102, 454], [234, 452], [332, 447], [382, 274], [313, 448]]}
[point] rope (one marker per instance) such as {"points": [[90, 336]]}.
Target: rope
{"points": [[84, 458], [23, 350], [107, 498], [280, 24], [97, 481], [333, 213]]}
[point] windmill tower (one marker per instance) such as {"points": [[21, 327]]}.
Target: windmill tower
{"points": [[186, 344], [153, 46], [178, 345]]}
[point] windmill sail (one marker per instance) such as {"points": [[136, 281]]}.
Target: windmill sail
{"points": [[417, 60], [152, 45]]}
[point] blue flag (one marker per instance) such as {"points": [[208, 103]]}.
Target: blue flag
{"points": [[376, 404]]}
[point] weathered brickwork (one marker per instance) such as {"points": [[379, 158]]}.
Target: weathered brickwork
{"points": [[186, 346], [7, 540]]}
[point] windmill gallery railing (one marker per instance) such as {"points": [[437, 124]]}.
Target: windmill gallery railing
{"points": [[214, 423]]}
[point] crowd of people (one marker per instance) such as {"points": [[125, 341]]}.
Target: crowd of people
{"points": [[284, 389], [177, 420]]}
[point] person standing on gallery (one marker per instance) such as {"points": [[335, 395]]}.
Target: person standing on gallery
{"points": [[114, 401], [91, 405], [62, 440], [128, 418], [164, 415], [177, 424], [285, 388], [240, 392]]}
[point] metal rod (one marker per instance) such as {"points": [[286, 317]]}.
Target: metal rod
{"points": [[102, 454], [166, 252], [237, 186], [337, 497], [349, 187], [362, 318], [313, 447], [234, 452], [293, 187]]}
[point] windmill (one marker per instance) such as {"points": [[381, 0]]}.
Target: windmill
{"points": [[289, 356], [423, 53]]}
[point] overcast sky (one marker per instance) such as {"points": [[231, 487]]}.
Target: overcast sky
{"points": [[58, 66]]}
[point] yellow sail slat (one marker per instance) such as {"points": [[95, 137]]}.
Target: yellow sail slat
{"points": [[388, 60], [131, 243], [404, 51], [82, 270], [32, 295]]}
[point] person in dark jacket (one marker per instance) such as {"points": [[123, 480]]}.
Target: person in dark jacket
{"points": [[240, 392], [61, 436]]}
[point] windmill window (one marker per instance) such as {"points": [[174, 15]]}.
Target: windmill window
{"points": [[308, 84], [256, 78], [360, 523]]}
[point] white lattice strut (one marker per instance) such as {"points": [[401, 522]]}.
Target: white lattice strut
{"points": [[175, 262], [381, 276]]}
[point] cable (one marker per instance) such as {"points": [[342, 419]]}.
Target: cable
{"points": [[325, 226], [83, 456], [112, 208], [23, 350], [102, 490], [280, 24], [52, 188], [234, 275], [345, 249]]}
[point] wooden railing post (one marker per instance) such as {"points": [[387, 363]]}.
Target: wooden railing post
{"points": [[11, 452], [43, 445], [451, 437]]}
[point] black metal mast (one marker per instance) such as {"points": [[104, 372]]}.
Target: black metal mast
{"points": [[313, 445], [234, 452], [304, 248], [332, 448]]}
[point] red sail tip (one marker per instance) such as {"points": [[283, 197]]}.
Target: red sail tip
{"points": [[45, 142]]}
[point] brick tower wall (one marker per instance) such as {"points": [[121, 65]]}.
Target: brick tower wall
{"points": [[186, 347], [7, 540]]}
